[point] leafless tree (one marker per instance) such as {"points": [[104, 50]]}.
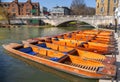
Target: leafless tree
{"points": [[78, 7], [90, 11]]}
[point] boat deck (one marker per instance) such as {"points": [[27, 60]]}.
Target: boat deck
{"points": [[43, 56]]}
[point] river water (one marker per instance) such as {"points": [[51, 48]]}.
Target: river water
{"points": [[15, 69]]}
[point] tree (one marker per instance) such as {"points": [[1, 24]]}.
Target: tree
{"points": [[90, 11], [77, 7], [4, 15]]}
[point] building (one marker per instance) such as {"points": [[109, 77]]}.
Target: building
{"points": [[44, 11], [106, 7], [60, 11], [16, 8], [117, 13]]}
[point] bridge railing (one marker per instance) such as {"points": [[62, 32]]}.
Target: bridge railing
{"points": [[85, 17]]}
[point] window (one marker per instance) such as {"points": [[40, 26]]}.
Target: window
{"points": [[21, 10], [114, 8], [108, 8], [102, 9], [115, 1], [14, 14], [6, 5], [13, 5], [13, 10], [102, 1], [97, 5], [27, 10]]}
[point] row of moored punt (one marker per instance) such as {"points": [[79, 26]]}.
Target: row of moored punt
{"points": [[82, 51]]}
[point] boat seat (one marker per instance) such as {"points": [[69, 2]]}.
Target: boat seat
{"points": [[71, 44], [43, 56], [28, 50], [64, 48], [42, 51], [52, 46]]}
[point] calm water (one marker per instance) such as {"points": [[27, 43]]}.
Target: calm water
{"points": [[15, 69]]}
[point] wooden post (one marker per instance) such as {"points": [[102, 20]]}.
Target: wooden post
{"points": [[115, 25]]}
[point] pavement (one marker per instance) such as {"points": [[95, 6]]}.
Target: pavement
{"points": [[117, 55]]}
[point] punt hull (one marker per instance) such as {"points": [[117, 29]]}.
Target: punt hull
{"points": [[58, 66]]}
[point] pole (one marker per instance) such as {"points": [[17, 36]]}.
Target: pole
{"points": [[115, 25]]}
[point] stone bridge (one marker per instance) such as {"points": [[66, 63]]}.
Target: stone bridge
{"points": [[56, 21]]}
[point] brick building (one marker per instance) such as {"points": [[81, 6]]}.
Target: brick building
{"points": [[16, 8], [106, 7]]}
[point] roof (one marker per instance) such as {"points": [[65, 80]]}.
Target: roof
{"points": [[61, 7], [20, 3]]}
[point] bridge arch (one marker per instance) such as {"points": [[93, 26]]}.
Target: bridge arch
{"points": [[67, 21]]}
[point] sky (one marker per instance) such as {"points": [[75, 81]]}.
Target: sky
{"points": [[52, 3]]}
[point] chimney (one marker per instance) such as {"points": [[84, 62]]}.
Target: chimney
{"points": [[29, 1], [16, 1]]}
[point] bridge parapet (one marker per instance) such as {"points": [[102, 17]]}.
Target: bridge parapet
{"points": [[56, 20]]}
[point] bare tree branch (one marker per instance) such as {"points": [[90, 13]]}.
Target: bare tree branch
{"points": [[78, 7]]}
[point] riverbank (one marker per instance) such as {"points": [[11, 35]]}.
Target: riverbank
{"points": [[9, 26], [14, 26]]}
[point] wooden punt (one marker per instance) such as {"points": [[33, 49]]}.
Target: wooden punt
{"points": [[82, 45], [67, 42], [89, 35], [90, 46], [103, 41], [91, 31], [101, 46], [92, 56], [104, 37], [76, 36], [86, 33], [69, 64], [106, 33], [68, 50]]}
